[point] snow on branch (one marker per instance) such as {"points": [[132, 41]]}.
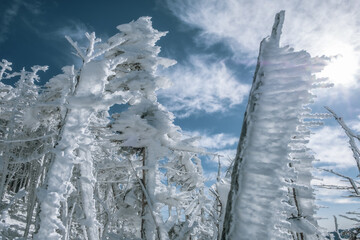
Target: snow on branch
{"points": [[148, 199], [351, 181], [90, 52], [192, 150], [351, 218], [76, 47], [277, 27], [352, 136], [28, 139], [33, 75], [101, 52], [4, 66], [92, 41]]}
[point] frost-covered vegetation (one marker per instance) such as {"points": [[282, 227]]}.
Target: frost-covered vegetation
{"points": [[272, 171], [69, 170]]}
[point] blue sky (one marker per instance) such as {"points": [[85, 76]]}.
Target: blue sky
{"points": [[215, 44]]}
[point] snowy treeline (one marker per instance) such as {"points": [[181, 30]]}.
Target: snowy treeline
{"points": [[69, 170]]}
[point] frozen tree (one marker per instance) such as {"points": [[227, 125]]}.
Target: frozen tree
{"points": [[163, 169], [73, 172], [24, 140], [220, 191], [193, 217], [271, 196], [146, 126], [353, 183], [86, 97]]}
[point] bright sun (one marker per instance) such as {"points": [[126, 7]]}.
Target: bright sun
{"points": [[343, 66]]}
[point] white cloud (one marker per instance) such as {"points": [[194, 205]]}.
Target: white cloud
{"points": [[202, 85], [330, 145], [329, 28], [355, 125], [218, 141]]}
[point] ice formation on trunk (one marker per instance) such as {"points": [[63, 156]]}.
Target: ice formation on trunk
{"points": [[69, 171], [148, 126], [271, 196], [85, 97]]}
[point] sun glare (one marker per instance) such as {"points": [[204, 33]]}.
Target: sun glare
{"points": [[343, 66]]}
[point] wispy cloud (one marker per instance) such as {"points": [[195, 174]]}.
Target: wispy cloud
{"points": [[202, 84], [10, 14], [34, 7], [7, 17], [74, 29], [329, 28]]}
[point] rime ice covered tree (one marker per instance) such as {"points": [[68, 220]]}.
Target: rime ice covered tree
{"points": [[146, 127], [79, 183], [83, 175], [271, 196], [25, 140], [84, 98]]}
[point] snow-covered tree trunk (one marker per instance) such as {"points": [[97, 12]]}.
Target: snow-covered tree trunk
{"points": [[69, 152], [273, 137], [151, 220], [74, 148]]}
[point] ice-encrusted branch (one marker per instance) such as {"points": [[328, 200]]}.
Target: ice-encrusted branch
{"points": [[192, 150], [4, 66], [28, 139], [351, 135], [351, 218], [277, 27], [92, 41], [351, 180], [90, 52], [337, 227], [109, 48], [148, 199], [76, 47]]}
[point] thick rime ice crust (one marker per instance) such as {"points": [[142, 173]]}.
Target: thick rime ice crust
{"points": [[271, 196], [123, 74], [147, 125]]}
